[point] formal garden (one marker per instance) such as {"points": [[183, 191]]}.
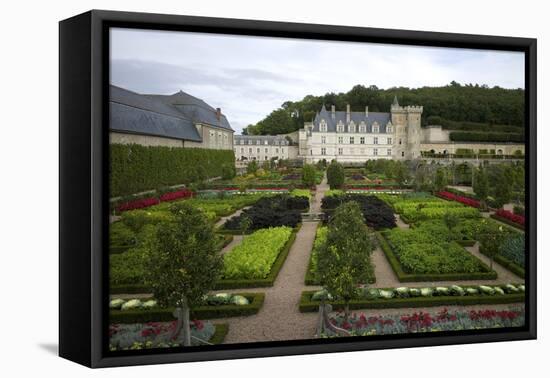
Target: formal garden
{"points": [[281, 252]]}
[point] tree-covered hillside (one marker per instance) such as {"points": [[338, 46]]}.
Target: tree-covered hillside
{"points": [[457, 106]]}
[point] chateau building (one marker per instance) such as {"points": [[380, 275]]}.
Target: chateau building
{"points": [[353, 137], [263, 147], [177, 120]]}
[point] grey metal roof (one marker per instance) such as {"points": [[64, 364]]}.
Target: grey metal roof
{"points": [[274, 140], [357, 117], [194, 108], [133, 113]]}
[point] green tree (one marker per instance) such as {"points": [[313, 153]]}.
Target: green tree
{"points": [[343, 262], [401, 173], [184, 263], [252, 167], [245, 224], [441, 179], [335, 175], [503, 185], [228, 172], [481, 186], [308, 175]]}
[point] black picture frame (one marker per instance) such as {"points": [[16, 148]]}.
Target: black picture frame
{"points": [[83, 116]]}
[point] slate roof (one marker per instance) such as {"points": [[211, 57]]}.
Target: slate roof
{"points": [[272, 140], [194, 108], [357, 117], [134, 113]]}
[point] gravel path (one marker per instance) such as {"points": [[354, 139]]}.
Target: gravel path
{"points": [[222, 220], [237, 239], [279, 317]]}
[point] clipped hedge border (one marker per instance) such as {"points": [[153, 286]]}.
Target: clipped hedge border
{"points": [[508, 222], [310, 279], [227, 238], [202, 312], [225, 284], [307, 305], [129, 289], [466, 243], [219, 335], [270, 279], [407, 277], [507, 263]]}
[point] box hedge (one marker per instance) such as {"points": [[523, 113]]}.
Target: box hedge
{"points": [[307, 305], [407, 277], [135, 168], [202, 312]]}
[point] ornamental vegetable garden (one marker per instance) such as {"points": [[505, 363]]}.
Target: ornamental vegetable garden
{"points": [[278, 242]]}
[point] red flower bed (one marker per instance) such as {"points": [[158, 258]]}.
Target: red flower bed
{"points": [[184, 193], [138, 204], [519, 219], [151, 201], [454, 197]]}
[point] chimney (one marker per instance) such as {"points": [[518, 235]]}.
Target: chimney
{"points": [[219, 113], [366, 111], [348, 114], [333, 111]]}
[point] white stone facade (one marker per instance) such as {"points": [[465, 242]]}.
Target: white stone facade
{"points": [[262, 148], [353, 137]]}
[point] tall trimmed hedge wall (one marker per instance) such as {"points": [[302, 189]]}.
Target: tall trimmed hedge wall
{"points": [[471, 136], [135, 168]]}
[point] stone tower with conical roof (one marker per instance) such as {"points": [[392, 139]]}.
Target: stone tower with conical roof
{"points": [[408, 132]]}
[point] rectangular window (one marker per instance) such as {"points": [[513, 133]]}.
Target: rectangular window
{"points": [[323, 151], [402, 153], [375, 140], [340, 151], [362, 140], [266, 150], [389, 140], [351, 140], [341, 140], [258, 150], [250, 150], [375, 152], [389, 151], [323, 140], [242, 150], [276, 150]]}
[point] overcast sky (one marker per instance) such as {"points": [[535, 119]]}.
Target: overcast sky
{"points": [[248, 77]]}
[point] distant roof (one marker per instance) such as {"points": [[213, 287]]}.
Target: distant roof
{"points": [[138, 114], [194, 108], [271, 139], [381, 119]]}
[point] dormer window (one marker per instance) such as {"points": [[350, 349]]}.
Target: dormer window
{"points": [[389, 128], [375, 128], [323, 126], [340, 127], [362, 127], [351, 127]]}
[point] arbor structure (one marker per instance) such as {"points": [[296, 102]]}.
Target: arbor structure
{"points": [[344, 260], [183, 263]]}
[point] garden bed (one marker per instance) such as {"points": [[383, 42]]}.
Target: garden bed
{"points": [[272, 275], [403, 276], [256, 301], [508, 222], [308, 305]]}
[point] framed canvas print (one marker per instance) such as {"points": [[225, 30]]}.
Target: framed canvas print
{"points": [[234, 188]]}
